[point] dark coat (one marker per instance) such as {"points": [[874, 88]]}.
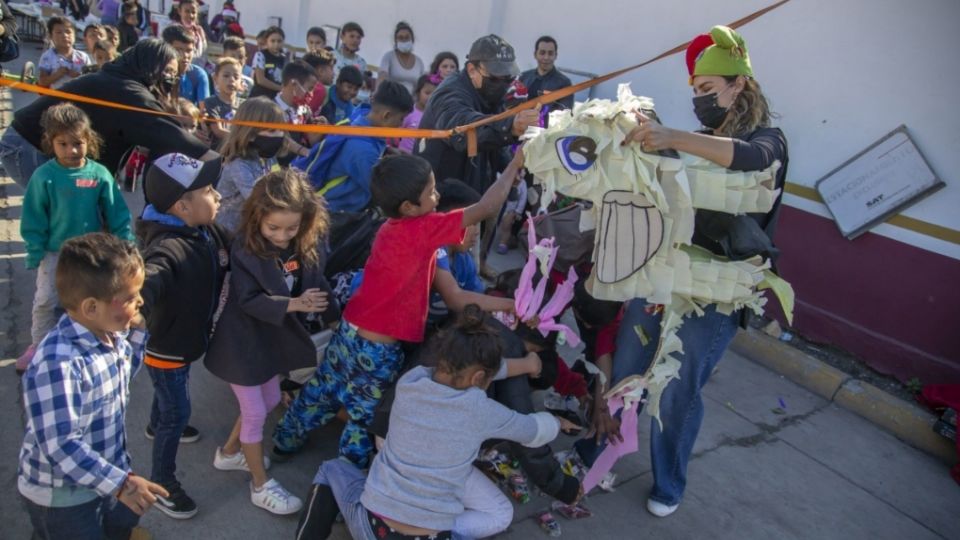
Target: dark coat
{"points": [[456, 103], [255, 337], [185, 268]]}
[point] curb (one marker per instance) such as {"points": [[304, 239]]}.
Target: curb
{"points": [[903, 419]]}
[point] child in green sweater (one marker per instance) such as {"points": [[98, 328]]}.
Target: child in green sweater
{"points": [[68, 196]]}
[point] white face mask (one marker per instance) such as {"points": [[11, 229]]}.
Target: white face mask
{"points": [[404, 46]]}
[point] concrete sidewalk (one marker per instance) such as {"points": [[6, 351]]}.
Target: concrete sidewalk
{"points": [[773, 460]]}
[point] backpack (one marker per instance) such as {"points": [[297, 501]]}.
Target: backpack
{"points": [[350, 240]]}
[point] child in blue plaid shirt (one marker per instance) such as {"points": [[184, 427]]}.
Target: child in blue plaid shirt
{"points": [[74, 474]]}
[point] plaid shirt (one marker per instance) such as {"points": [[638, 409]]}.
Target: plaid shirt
{"points": [[75, 394]]}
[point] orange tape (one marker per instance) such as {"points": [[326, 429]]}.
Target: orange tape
{"points": [[358, 131]]}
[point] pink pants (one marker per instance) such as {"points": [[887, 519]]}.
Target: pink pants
{"points": [[256, 402]]}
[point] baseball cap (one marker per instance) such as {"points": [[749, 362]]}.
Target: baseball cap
{"points": [[496, 55], [172, 175]]}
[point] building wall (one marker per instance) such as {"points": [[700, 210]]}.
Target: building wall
{"points": [[840, 74]]}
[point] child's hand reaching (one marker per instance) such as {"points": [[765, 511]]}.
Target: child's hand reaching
{"points": [[311, 301], [517, 162], [567, 426], [139, 494]]}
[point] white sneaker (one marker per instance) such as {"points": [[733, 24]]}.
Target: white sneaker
{"points": [[273, 498], [236, 462], [659, 509]]}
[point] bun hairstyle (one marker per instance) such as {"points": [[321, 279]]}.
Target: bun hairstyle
{"points": [[470, 342]]}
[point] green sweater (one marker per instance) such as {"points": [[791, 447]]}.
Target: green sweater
{"points": [[62, 203]]}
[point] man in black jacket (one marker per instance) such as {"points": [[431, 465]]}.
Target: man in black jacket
{"points": [[473, 94], [470, 95]]}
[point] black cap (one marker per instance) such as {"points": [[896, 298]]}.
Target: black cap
{"points": [[172, 175], [496, 55]]}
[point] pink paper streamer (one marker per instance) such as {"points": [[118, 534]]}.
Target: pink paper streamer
{"points": [[528, 298], [613, 452]]}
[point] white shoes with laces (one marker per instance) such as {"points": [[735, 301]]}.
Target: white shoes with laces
{"points": [[236, 462], [272, 497]]}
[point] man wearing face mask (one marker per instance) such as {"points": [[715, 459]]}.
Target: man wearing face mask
{"points": [[468, 96]]}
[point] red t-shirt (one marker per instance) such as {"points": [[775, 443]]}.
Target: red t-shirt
{"points": [[393, 298]]}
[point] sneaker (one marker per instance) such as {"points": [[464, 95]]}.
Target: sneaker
{"points": [[190, 434], [273, 498], [659, 509], [178, 505], [236, 462]]}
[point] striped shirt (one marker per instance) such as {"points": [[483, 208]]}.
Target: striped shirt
{"points": [[75, 393]]}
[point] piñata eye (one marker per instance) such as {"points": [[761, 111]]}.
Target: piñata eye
{"points": [[576, 153]]}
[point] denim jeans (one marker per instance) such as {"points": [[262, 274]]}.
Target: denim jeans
{"points": [[705, 338], [100, 518], [19, 157], [168, 418]]}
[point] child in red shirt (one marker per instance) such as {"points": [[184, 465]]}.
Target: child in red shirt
{"points": [[365, 356]]}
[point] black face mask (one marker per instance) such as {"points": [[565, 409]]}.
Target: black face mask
{"points": [[168, 83], [267, 146], [709, 113], [493, 90]]}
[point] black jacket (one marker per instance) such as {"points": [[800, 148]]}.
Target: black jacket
{"points": [[120, 129], [185, 269], [737, 237], [256, 338], [456, 103], [537, 85]]}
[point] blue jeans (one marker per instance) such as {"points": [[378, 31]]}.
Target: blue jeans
{"points": [[705, 339], [168, 418], [19, 157], [347, 482], [100, 518]]}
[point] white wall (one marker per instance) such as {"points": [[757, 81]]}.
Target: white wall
{"points": [[840, 74]]}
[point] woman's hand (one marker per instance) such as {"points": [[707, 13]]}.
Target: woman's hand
{"points": [[651, 135]]}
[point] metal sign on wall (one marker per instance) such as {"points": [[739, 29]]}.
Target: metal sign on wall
{"points": [[877, 183]]}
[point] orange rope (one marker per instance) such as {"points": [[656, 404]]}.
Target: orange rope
{"points": [[359, 131]]}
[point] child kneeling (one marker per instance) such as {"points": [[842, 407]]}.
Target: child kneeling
{"points": [[424, 478]]}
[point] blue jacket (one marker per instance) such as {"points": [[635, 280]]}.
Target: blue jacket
{"points": [[354, 162]]}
